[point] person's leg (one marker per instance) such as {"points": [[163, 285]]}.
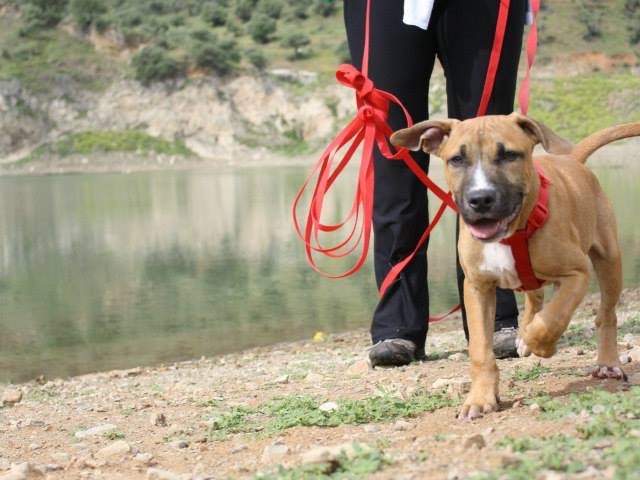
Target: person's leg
{"points": [[400, 61], [465, 37]]}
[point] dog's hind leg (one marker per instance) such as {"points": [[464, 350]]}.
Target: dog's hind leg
{"points": [[607, 265]]}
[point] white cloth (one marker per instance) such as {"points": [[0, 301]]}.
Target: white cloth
{"points": [[417, 12]]}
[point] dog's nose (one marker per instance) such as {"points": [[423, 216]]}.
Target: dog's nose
{"points": [[482, 200]]}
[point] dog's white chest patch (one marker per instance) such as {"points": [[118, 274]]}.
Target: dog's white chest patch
{"points": [[498, 261]]}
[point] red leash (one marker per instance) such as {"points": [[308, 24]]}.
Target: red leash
{"points": [[369, 129]]}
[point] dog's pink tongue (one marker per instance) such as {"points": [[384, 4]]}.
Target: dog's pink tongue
{"points": [[485, 229]]}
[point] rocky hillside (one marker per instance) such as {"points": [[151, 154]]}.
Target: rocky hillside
{"points": [[72, 66], [213, 118]]}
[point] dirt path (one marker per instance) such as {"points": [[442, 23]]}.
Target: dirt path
{"points": [[215, 417]]}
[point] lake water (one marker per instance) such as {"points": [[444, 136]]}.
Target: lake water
{"points": [[115, 271]]}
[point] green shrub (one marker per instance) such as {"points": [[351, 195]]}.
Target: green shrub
{"points": [[271, 8], [261, 28], [325, 8], [220, 56], [258, 59], [43, 13], [244, 9], [86, 12], [297, 41], [152, 64], [214, 14], [299, 9]]}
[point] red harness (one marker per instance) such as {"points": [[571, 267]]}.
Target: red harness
{"points": [[519, 241]]}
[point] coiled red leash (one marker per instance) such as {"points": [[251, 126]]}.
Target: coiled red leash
{"points": [[369, 130]]}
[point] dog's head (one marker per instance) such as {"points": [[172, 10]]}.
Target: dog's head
{"points": [[487, 164]]}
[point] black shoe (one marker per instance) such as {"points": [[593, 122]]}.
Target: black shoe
{"points": [[504, 343], [393, 352]]}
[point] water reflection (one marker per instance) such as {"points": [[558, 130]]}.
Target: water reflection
{"points": [[114, 271]]}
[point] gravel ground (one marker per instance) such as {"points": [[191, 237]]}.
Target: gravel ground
{"points": [[163, 422]]}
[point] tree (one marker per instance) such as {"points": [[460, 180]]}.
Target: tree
{"points": [[86, 12], [44, 13], [297, 41], [258, 59], [271, 8], [220, 56], [214, 14], [261, 28], [152, 64]]}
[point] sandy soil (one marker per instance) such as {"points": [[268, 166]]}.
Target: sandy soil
{"points": [[156, 422]]}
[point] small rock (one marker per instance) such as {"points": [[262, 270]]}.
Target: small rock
{"points": [[331, 453], [282, 379], [93, 431], [61, 457], [11, 396], [239, 448], [145, 458], [328, 407], [453, 386], [456, 472], [550, 475], [358, 367], [22, 471], [274, 453], [180, 444], [116, 449], [534, 407], [402, 426], [313, 377], [159, 474], [371, 428], [476, 440], [634, 378], [158, 419], [458, 357], [634, 354]]}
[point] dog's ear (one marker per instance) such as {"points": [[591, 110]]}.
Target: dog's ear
{"points": [[551, 142], [427, 136]]}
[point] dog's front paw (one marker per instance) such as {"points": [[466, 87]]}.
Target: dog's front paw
{"points": [[604, 371], [476, 406], [522, 348]]}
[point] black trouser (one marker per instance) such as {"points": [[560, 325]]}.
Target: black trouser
{"points": [[401, 61]]}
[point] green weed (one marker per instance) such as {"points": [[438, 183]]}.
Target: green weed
{"points": [[605, 435], [90, 142], [533, 373], [303, 411], [114, 435]]}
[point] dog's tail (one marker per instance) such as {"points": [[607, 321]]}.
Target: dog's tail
{"points": [[586, 147]]}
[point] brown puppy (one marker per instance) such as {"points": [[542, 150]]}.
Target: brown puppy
{"points": [[490, 170]]}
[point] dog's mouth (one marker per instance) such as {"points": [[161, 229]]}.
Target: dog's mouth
{"points": [[488, 229]]}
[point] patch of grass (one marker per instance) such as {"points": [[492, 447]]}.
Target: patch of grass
{"points": [[114, 435], [364, 461], [604, 438], [53, 61], [303, 411], [579, 335], [578, 106], [87, 143], [631, 326], [533, 373]]}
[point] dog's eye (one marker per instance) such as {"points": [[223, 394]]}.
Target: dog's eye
{"points": [[456, 161], [508, 156]]}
